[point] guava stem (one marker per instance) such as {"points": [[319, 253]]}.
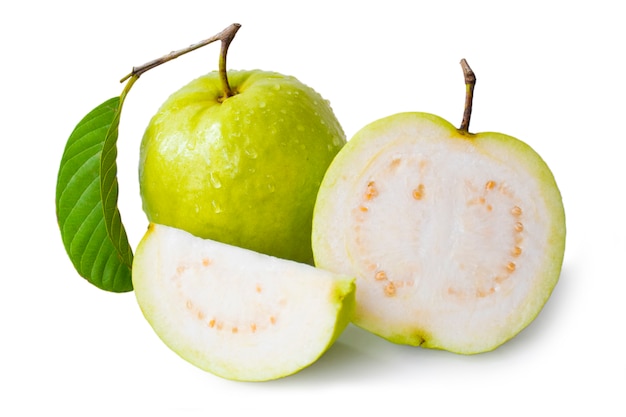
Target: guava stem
{"points": [[226, 36], [470, 83], [226, 40]]}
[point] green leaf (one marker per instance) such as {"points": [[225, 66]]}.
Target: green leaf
{"points": [[86, 200]]}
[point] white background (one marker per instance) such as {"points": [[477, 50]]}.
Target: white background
{"points": [[550, 73]]}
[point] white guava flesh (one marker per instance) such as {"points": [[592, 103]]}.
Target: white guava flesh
{"points": [[237, 313], [456, 239]]}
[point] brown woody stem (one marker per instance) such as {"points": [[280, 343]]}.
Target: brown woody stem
{"points": [[229, 35], [470, 82], [226, 36]]}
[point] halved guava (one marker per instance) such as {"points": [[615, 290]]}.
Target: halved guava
{"points": [[236, 313], [456, 239]]}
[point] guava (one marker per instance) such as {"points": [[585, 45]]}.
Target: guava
{"points": [[236, 313], [456, 239], [243, 169]]}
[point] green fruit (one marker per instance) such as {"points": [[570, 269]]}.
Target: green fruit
{"points": [[243, 170], [456, 239], [236, 313]]}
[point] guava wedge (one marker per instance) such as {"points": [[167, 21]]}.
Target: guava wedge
{"points": [[236, 313], [456, 239]]}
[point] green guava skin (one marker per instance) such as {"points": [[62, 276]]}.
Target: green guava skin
{"points": [[243, 170]]}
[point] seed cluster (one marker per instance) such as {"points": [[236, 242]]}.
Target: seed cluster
{"points": [[215, 322], [391, 286], [510, 265]]}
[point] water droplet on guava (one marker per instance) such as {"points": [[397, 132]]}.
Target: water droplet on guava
{"points": [[251, 152], [271, 184], [215, 180]]}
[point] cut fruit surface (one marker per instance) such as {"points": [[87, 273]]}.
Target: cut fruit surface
{"points": [[237, 313], [456, 239]]}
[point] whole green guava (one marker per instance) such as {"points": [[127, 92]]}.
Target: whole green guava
{"points": [[244, 170]]}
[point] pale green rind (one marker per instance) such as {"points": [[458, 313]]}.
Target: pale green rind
{"points": [[345, 299], [324, 304], [244, 171], [381, 134]]}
